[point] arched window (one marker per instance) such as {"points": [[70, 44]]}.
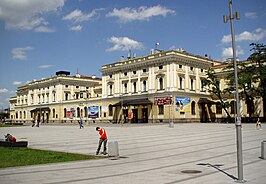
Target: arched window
{"points": [[218, 108], [65, 111], [232, 107], [134, 87], [78, 112], [53, 113], [193, 108], [81, 112], [24, 114], [85, 112], [110, 110]]}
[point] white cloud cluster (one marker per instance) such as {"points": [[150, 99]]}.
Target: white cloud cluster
{"points": [[28, 14], [123, 44], [20, 53], [76, 28], [142, 13], [79, 16], [228, 52], [251, 15], [256, 35], [4, 90], [15, 83], [45, 66]]}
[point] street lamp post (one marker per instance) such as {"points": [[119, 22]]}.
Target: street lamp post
{"points": [[231, 17], [171, 124]]}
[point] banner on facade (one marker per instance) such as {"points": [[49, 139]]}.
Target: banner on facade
{"points": [[162, 100], [181, 103], [93, 111], [71, 113]]}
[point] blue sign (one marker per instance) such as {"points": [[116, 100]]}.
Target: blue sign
{"points": [[180, 102], [93, 111]]}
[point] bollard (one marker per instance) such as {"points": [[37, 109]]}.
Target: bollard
{"points": [[263, 149], [113, 148]]}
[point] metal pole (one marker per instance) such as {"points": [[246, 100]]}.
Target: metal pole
{"points": [[238, 117]]}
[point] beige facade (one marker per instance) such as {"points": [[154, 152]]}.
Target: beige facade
{"points": [[165, 86]]}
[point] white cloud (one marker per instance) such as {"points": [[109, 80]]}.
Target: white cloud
{"points": [[251, 15], [20, 53], [44, 29], [45, 66], [228, 52], [142, 13], [15, 83], [4, 90], [76, 28], [79, 16], [123, 44], [256, 35], [27, 14]]}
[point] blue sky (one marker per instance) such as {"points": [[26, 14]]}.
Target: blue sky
{"points": [[38, 38]]}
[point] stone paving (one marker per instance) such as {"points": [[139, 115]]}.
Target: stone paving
{"points": [[149, 154]]}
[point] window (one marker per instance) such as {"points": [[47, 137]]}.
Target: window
{"points": [[191, 68], [191, 84], [81, 95], [125, 73], [66, 86], [110, 76], [161, 83], [218, 108], [161, 109], [160, 67], [66, 96], [181, 83], [85, 112], [78, 112], [134, 72], [180, 66], [111, 89], [144, 86], [77, 95], [201, 85], [54, 97], [193, 108], [110, 110], [47, 97], [65, 112], [201, 70], [144, 70], [53, 113], [125, 88], [134, 87]]}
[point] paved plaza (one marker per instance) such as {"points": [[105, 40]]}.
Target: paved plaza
{"points": [[149, 154]]}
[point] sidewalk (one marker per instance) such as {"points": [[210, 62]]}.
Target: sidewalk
{"points": [[149, 154]]}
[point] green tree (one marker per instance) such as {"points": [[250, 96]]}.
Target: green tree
{"points": [[213, 86], [258, 58]]}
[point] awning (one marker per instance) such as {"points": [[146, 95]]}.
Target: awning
{"points": [[143, 101], [205, 101], [40, 109]]}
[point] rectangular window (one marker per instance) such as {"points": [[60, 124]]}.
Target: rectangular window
{"points": [[161, 109]]}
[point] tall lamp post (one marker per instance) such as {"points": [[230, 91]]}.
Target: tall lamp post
{"points": [[231, 17]]}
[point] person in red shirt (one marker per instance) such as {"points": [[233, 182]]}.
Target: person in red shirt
{"points": [[102, 139]]}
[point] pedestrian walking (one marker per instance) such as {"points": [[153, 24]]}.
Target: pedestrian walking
{"points": [[102, 139], [80, 123], [258, 124]]}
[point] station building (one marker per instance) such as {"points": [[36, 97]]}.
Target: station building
{"points": [[164, 86]]}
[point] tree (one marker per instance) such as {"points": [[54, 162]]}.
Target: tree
{"points": [[258, 58], [213, 83]]}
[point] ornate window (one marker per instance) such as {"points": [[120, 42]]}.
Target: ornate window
{"points": [[193, 108]]}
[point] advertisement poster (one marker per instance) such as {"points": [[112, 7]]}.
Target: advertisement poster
{"points": [[93, 111], [162, 100], [181, 103], [71, 113]]}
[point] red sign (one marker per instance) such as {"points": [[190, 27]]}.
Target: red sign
{"points": [[162, 100]]}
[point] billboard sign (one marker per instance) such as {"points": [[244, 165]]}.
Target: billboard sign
{"points": [[93, 111]]}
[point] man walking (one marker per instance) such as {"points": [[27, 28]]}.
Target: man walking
{"points": [[80, 123], [103, 139]]}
